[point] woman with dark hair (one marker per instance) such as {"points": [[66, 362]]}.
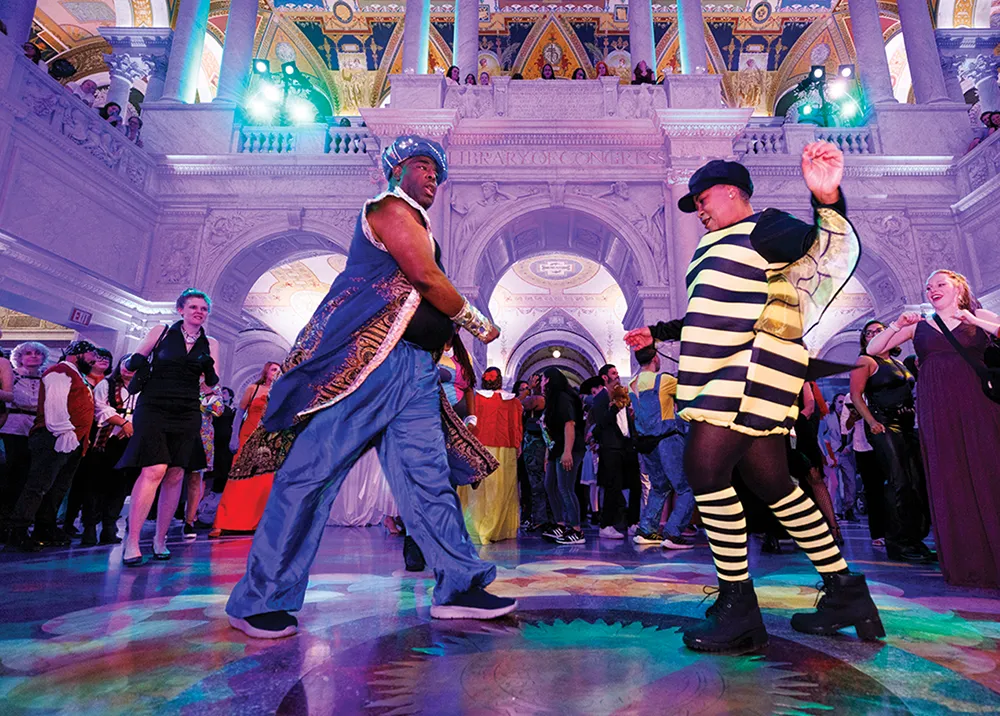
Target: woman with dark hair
{"points": [[491, 510], [112, 113], [243, 499], [484, 79], [547, 72], [959, 427], [454, 74], [564, 425], [579, 74], [882, 393], [470, 79], [167, 439], [33, 52], [643, 75]]}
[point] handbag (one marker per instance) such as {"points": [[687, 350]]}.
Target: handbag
{"points": [[144, 372], [990, 377]]}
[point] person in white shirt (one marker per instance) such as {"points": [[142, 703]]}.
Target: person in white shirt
{"points": [[872, 477], [57, 441]]}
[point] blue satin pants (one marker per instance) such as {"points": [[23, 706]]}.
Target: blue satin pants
{"points": [[398, 408]]}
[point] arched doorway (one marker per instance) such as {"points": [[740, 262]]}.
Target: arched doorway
{"points": [[557, 308]]}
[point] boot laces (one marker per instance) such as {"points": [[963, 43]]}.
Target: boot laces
{"points": [[820, 594], [709, 592]]}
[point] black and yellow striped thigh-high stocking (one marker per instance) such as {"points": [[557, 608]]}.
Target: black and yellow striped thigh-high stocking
{"points": [[726, 526], [798, 514]]}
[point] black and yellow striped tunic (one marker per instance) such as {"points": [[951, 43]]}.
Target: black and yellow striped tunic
{"points": [[737, 369], [731, 375]]}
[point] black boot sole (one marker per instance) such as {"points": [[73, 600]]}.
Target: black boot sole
{"points": [[750, 641], [869, 629]]}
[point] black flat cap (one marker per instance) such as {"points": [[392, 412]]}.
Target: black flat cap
{"points": [[717, 171]]}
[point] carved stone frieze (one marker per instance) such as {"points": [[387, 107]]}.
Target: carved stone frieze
{"points": [[226, 225], [472, 205], [937, 247], [177, 248]]}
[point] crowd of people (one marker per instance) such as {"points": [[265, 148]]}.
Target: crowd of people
{"points": [[642, 74], [742, 433], [86, 91]]}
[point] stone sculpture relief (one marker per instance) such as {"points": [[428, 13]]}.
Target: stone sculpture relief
{"points": [[471, 211]]}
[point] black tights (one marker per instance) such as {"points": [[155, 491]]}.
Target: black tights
{"points": [[713, 452]]}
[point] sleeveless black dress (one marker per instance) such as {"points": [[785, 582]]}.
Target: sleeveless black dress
{"points": [[167, 420]]}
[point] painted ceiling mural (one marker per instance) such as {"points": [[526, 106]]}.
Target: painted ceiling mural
{"points": [[761, 47]]}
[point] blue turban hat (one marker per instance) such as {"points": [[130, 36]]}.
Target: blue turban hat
{"points": [[410, 145]]}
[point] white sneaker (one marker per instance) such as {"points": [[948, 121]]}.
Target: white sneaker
{"points": [[610, 532], [679, 542]]}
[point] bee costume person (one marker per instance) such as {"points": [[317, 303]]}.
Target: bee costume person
{"points": [[757, 283]]}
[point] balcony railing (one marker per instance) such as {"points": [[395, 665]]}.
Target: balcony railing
{"points": [[40, 101], [304, 139], [979, 166], [762, 139]]}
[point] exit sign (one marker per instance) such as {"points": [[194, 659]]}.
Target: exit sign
{"points": [[80, 317]]}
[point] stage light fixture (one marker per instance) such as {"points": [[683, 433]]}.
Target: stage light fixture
{"points": [[807, 110], [818, 72], [289, 69], [849, 110], [557, 353], [846, 71], [260, 109], [262, 67]]}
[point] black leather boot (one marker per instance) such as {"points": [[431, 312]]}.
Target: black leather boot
{"points": [[412, 555], [89, 538], [21, 541], [846, 602], [734, 622]]}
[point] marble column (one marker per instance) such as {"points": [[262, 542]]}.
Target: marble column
{"points": [[237, 53], [157, 75], [950, 66], [416, 37], [922, 52], [124, 71], [466, 38], [691, 32], [983, 71], [686, 232], [640, 33], [869, 48], [17, 16], [181, 83]]}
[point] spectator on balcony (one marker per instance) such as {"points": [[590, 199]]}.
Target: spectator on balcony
{"points": [[85, 91], [484, 79], [470, 79], [643, 75], [579, 74], [132, 129], [453, 75], [547, 72], [112, 112], [517, 76], [602, 69], [61, 69], [34, 53]]}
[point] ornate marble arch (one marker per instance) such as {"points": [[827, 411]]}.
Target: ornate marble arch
{"points": [[516, 364], [487, 244], [555, 328], [262, 250], [963, 13]]}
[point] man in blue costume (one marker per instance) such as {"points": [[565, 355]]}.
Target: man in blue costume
{"points": [[362, 372]]}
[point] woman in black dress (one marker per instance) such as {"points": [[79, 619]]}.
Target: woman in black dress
{"points": [[882, 391], [167, 438]]}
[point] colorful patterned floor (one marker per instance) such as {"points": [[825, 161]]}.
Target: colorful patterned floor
{"points": [[597, 633]]}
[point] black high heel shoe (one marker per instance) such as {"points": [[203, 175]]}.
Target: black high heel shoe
{"points": [[162, 556], [133, 561]]}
